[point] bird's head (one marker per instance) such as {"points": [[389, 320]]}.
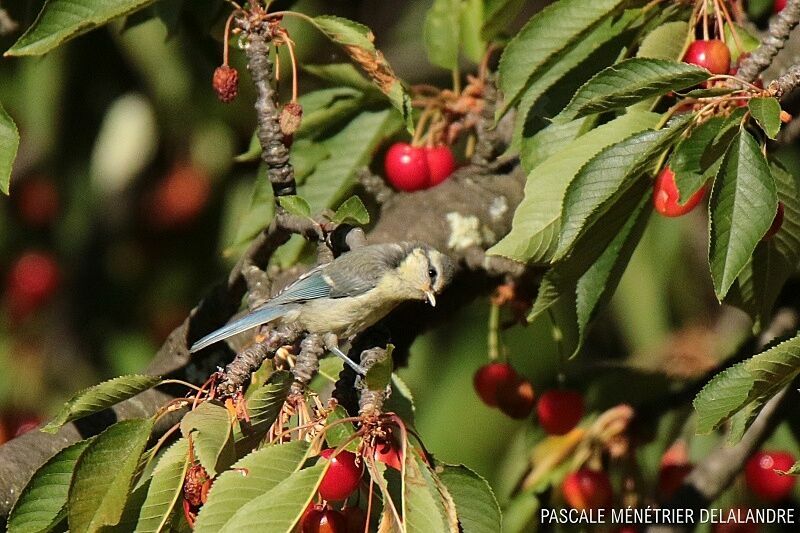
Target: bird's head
{"points": [[426, 271]]}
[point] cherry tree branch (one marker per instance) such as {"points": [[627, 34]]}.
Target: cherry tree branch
{"points": [[777, 34]]}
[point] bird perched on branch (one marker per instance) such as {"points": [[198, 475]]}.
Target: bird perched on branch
{"points": [[351, 293]]}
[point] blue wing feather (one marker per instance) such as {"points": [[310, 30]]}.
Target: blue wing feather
{"points": [[256, 318], [310, 287]]}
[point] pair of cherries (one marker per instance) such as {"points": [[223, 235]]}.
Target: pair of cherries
{"points": [[414, 168]]}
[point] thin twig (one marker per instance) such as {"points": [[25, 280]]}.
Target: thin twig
{"points": [[777, 34]]}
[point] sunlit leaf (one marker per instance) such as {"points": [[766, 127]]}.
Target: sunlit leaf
{"points": [[767, 112], [665, 42], [9, 143], [478, 510], [166, 486], [352, 209], [210, 428], [442, 33]]}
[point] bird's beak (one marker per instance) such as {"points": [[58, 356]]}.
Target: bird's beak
{"points": [[431, 298]]}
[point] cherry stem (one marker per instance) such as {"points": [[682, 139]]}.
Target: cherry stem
{"points": [[369, 503], [493, 338], [293, 59], [421, 123], [734, 31], [720, 23], [226, 38], [180, 382]]}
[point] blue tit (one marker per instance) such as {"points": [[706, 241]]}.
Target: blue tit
{"points": [[351, 293]]}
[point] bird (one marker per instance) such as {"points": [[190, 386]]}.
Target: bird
{"points": [[350, 293]]}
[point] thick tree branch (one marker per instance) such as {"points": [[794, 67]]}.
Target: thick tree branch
{"points": [[779, 30]]}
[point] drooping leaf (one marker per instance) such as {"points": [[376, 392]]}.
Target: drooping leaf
{"points": [[498, 15], [104, 474], [295, 205], [99, 397], [352, 209], [536, 223], [631, 81], [606, 176], [210, 428], [541, 41], [401, 401], [9, 143], [551, 140], [338, 434], [478, 510], [731, 390], [742, 206], [442, 33], [61, 20], [164, 489], [280, 508], [423, 509], [379, 375], [767, 112], [665, 42], [264, 404], [249, 478], [472, 43], [358, 42], [42, 503]]}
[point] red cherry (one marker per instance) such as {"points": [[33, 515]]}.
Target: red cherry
{"points": [[489, 377], [38, 202], [389, 454], [587, 489], [516, 399], [441, 163], [778, 6], [407, 167], [670, 479], [764, 481], [180, 197], [665, 195], [559, 411], [713, 55], [32, 280], [5, 432], [777, 222], [342, 477], [319, 519]]}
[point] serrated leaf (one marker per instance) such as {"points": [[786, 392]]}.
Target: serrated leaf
{"points": [[708, 93], [761, 376], [295, 205], [498, 15], [249, 478], [423, 509], [546, 35], [696, 158], [742, 206], [606, 176], [166, 486], [358, 42], [62, 20], [401, 401], [104, 474], [767, 112], [265, 403], [342, 432], [478, 510], [379, 374], [210, 428], [41, 505], [536, 223], [99, 397], [631, 81], [775, 260], [551, 140], [352, 209], [665, 42], [441, 33], [279, 509], [9, 143]]}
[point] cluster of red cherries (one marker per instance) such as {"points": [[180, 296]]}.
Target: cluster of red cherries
{"points": [[414, 168]]}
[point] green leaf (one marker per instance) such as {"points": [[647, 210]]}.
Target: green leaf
{"points": [[665, 42], [280, 508], [478, 510], [358, 42], [166, 486], [248, 479], [352, 209], [341, 75], [260, 212], [423, 508], [536, 223], [401, 401], [767, 112], [631, 81], [265, 403], [295, 205], [9, 143], [499, 14], [61, 20], [551, 140], [99, 397], [211, 430], [543, 39], [328, 109], [104, 474], [41, 505], [775, 260], [472, 42], [763, 375], [342, 432], [441, 32], [696, 158], [607, 176], [379, 375], [748, 42], [742, 206]]}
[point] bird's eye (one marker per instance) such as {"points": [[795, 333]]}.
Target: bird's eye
{"points": [[432, 274]]}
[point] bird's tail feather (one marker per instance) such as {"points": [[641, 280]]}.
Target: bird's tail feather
{"points": [[256, 318]]}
